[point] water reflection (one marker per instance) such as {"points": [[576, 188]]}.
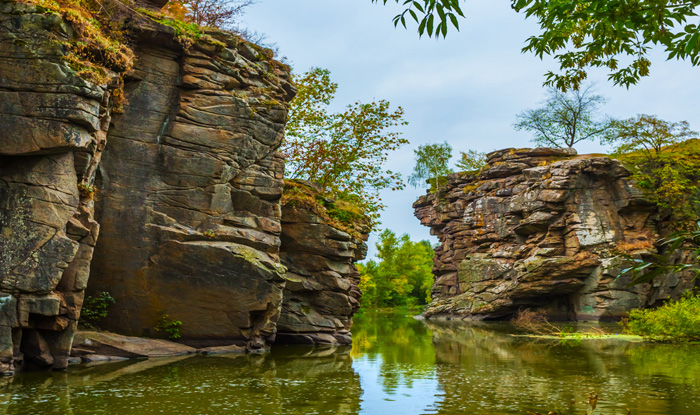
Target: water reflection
{"points": [[289, 381], [398, 365], [484, 370]]}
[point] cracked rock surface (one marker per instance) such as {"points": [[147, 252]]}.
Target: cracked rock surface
{"points": [[541, 228]]}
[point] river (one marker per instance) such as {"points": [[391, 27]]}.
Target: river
{"points": [[397, 366]]}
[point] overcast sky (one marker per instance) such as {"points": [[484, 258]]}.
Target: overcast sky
{"points": [[466, 89]]}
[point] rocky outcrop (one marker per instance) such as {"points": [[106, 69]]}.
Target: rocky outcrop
{"points": [[189, 189], [321, 293], [540, 228], [53, 129], [176, 157]]}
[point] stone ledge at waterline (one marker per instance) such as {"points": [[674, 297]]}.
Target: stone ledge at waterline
{"points": [[541, 228], [185, 183]]}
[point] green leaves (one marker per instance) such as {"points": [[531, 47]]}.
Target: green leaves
{"points": [[666, 263], [565, 119], [343, 152], [403, 275], [424, 13], [431, 163], [584, 34]]}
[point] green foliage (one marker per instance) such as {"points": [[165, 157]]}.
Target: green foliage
{"points": [[647, 134], [343, 152], [96, 308], [401, 277], [170, 327], [423, 12], [346, 212], [587, 34], [654, 265], [674, 321], [471, 161], [431, 164], [669, 175], [565, 119]]}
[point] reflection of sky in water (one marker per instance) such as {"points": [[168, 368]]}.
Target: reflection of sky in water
{"points": [[405, 397]]}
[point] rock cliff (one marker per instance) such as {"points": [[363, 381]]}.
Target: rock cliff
{"points": [[321, 293], [175, 156], [540, 228], [189, 189], [53, 128]]}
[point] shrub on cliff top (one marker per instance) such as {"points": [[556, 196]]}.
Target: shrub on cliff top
{"points": [[674, 321], [343, 152], [99, 50], [663, 160], [347, 212]]}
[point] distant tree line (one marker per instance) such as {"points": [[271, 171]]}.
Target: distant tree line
{"points": [[401, 275]]}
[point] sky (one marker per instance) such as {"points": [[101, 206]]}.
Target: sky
{"points": [[465, 90]]}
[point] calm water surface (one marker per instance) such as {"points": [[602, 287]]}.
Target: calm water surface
{"points": [[398, 365]]}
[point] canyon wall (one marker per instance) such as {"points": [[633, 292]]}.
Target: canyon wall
{"points": [[53, 129], [541, 228], [184, 179], [321, 293], [189, 189]]}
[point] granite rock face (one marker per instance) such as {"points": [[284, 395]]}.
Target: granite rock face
{"points": [[321, 293], [540, 228], [189, 189], [53, 130]]}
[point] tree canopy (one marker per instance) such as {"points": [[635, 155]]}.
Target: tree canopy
{"points": [[613, 34], [214, 13], [471, 161], [343, 152], [566, 118], [431, 163], [402, 276], [647, 134]]}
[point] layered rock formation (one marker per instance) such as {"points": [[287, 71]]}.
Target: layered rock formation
{"points": [[540, 228], [185, 180], [53, 129], [321, 293], [189, 189]]}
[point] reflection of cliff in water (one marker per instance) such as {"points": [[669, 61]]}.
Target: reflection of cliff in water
{"points": [[288, 381], [483, 369]]}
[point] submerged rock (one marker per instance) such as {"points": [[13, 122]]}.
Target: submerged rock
{"points": [[540, 228]]}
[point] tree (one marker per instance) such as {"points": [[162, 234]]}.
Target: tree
{"points": [[584, 34], [663, 162], [343, 152], [565, 119], [431, 162], [647, 134], [471, 161], [403, 274], [215, 13]]}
